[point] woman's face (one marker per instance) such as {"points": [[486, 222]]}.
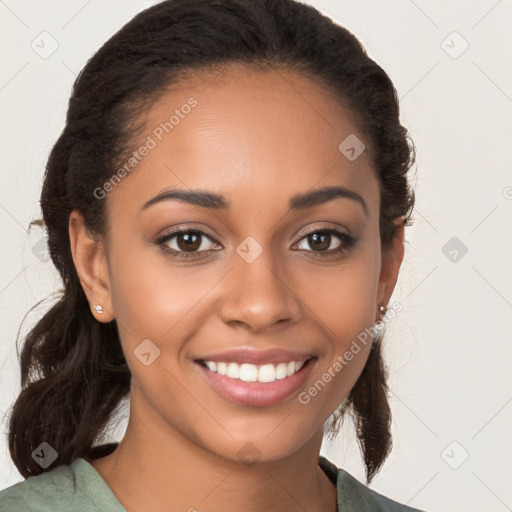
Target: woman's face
{"points": [[257, 279]]}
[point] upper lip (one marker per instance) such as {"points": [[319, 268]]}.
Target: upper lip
{"points": [[256, 357]]}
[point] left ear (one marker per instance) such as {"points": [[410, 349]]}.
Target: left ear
{"points": [[392, 258]]}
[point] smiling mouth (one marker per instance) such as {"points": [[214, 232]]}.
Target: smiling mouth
{"points": [[246, 372], [256, 385]]}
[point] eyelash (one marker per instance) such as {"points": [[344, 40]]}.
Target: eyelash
{"points": [[347, 240]]}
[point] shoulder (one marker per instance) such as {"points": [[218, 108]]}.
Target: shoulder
{"points": [[363, 498], [44, 492], [67, 487], [354, 496]]}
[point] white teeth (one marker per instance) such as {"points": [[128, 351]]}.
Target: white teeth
{"points": [[212, 366], [267, 373], [281, 371], [252, 373], [248, 372], [233, 371]]}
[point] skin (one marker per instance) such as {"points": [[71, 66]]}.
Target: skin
{"points": [[257, 137]]}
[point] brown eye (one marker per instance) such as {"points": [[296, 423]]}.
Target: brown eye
{"points": [[189, 241], [320, 242], [186, 243]]}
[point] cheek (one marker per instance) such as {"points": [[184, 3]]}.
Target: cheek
{"points": [[343, 297], [151, 293], [343, 303], [154, 298]]}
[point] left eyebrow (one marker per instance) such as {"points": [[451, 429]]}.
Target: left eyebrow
{"points": [[322, 195], [213, 200]]}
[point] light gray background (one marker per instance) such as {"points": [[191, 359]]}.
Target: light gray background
{"points": [[449, 350]]}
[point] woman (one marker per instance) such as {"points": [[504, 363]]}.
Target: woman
{"points": [[226, 206]]}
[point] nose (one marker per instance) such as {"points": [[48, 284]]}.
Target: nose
{"points": [[259, 294]]}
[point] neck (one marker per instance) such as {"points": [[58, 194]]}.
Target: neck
{"points": [[150, 472]]}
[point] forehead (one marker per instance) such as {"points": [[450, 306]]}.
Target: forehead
{"points": [[247, 133]]}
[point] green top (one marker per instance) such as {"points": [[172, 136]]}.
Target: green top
{"points": [[79, 487]]}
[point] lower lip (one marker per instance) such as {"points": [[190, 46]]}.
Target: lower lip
{"points": [[256, 393]]}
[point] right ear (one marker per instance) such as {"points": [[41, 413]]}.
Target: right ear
{"points": [[91, 264]]}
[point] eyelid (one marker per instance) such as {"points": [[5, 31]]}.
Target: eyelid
{"points": [[203, 232], [347, 241], [184, 229], [322, 227]]}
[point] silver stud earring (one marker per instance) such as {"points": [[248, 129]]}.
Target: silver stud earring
{"points": [[98, 308], [383, 310]]}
